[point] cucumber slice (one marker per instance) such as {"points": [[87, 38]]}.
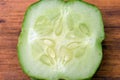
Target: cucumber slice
{"points": [[61, 40]]}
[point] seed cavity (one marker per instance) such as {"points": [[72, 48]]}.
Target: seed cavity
{"points": [[84, 29], [59, 27], [80, 51], [49, 42], [41, 21], [67, 57], [42, 26], [73, 45], [45, 59], [58, 30], [51, 52]]}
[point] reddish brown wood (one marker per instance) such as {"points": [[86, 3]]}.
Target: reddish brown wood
{"points": [[11, 17]]}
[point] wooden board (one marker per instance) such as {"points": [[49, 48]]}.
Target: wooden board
{"points": [[11, 17]]}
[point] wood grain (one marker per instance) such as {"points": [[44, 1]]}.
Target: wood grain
{"points": [[11, 17]]}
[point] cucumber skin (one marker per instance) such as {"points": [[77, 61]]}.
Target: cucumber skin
{"points": [[23, 29], [60, 79]]}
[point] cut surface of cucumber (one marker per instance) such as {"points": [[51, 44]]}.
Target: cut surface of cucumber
{"points": [[61, 40]]}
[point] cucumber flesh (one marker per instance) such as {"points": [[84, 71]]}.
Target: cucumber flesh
{"points": [[61, 40]]}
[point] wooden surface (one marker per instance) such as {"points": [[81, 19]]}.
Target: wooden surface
{"points": [[11, 16]]}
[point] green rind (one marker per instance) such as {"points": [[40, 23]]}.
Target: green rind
{"points": [[60, 79]]}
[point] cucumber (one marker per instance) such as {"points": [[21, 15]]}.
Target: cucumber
{"points": [[61, 40]]}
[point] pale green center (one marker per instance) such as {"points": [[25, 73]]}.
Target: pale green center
{"points": [[57, 39]]}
